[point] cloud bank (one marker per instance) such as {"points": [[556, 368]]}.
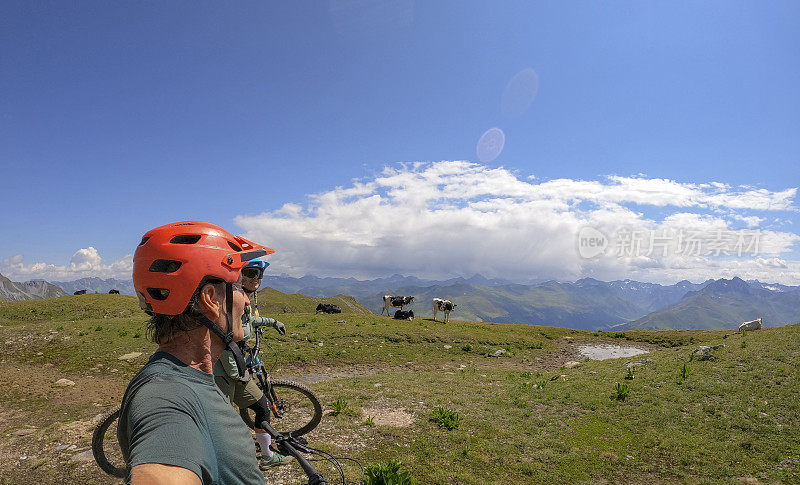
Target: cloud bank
{"points": [[457, 218], [84, 263]]}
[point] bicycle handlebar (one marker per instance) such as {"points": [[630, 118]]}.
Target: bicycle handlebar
{"points": [[286, 443]]}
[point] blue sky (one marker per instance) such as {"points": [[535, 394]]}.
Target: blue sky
{"points": [[120, 117]]}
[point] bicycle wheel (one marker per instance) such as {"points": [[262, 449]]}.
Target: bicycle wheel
{"points": [[300, 409], [105, 446]]}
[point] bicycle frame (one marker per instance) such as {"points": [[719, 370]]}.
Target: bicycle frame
{"points": [[256, 369], [286, 443]]}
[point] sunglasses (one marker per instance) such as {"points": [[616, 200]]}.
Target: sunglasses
{"points": [[252, 273]]}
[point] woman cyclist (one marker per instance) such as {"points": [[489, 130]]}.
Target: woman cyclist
{"points": [[244, 392]]}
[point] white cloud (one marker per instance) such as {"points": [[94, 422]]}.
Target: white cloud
{"points": [[750, 221], [458, 218], [84, 263]]}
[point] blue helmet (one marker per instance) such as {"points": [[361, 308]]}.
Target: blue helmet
{"points": [[259, 264]]}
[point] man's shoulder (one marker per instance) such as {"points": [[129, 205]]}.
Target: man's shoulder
{"points": [[160, 381]]}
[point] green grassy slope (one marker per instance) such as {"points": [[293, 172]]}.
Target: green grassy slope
{"points": [[271, 301], [524, 417]]}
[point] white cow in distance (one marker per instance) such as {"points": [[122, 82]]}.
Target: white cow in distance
{"points": [[445, 306], [390, 301], [751, 325]]}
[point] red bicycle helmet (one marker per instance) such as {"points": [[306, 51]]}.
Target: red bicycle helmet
{"points": [[173, 260]]}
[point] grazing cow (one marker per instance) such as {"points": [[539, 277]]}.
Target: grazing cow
{"points": [[113, 292], [396, 302], [404, 315], [445, 306], [328, 308], [80, 292], [752, 325]]}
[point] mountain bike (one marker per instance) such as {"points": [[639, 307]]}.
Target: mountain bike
{"points": [[294, 410], [294, 407]]}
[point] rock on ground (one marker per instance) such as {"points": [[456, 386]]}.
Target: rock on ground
{"points": [[83, 457], [64, 383], [703, 352], [129, 356]]}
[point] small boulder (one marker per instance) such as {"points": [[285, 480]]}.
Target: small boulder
{"points": [[499, 353], [83, 457], [448, 347], [571, 364], [703, 352], [637, 363], [23, 431], [64, 383], [129, 356]]}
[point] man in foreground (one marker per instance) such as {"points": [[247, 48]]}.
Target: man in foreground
{"points": [[175, 427], [244, 392]]}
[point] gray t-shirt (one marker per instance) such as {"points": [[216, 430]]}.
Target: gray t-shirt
{"points": [[174, 414]]}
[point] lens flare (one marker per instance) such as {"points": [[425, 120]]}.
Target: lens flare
{"points": [[490, 145], [519, 93]]}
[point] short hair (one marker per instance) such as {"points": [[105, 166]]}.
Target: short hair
{"points": [[162, 329]]}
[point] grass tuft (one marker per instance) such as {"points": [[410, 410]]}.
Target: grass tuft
{"points": [[340, 406], [388, 473], [445, 418], [621, 392]]}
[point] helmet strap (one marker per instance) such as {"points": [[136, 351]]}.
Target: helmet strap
{"points": [[225, 337]]}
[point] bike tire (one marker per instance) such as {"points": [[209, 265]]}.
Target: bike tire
{"points": [[303, 411], [108, 464]]}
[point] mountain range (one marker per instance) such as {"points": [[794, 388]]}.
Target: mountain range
{"points": [[97, 285], [724, 304], [28, 290], [586, 304]]}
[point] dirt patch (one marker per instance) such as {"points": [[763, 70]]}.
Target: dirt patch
{"points": [[63, 419], [385, 413]]}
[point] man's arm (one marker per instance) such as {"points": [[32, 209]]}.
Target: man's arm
{"points": [[158, 474]]}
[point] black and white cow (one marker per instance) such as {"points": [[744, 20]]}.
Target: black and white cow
{"points": [[445, 306], [113, 292], [390, 301], [404, 315], [328, 308]]}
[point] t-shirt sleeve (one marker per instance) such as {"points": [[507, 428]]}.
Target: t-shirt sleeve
{"points": [[163, 428]]}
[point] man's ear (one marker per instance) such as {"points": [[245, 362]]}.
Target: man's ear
{"points": [[210, 302]]}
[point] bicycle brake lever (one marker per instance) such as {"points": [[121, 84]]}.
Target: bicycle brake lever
{"points": [[298, 443]]}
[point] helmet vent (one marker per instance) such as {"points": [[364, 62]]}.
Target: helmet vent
{"points": [[234, 247], [164, 266], [144, 240], [185, 239], [159, 294]]}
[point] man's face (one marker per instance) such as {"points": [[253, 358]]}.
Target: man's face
{"points": [[240, 300]]}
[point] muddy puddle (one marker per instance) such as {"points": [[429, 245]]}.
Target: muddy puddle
{"points": [[608, 351]]}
